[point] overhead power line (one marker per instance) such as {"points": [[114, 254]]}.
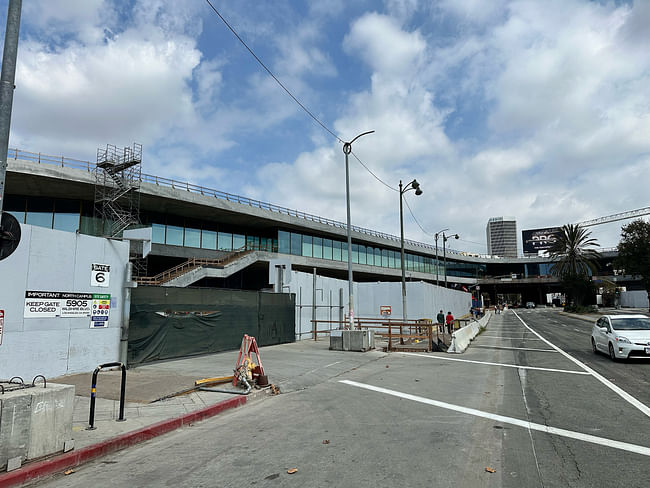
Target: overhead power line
{"points": [[272, 75]]}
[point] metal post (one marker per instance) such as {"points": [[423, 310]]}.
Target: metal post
{"points": [[91, 418], [437, 260], [313, 306], [401, 227], [444, 254], [7, 87], [347, 148]]}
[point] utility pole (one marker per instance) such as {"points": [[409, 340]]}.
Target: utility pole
{"points": [[7, 88]]}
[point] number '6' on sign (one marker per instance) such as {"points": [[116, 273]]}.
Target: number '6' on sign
{"points": [[99, 275]]}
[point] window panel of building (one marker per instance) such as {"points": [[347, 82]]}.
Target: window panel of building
{"points": [[224, 241], [208, 239], [238, 242], [327, 249], [252, 242], [192, 237], [66, 221], [355, 253], [174, 235], [284, 242], [296, 244], [307, 247], [40, 212], [337, 254], [318, 247], [158, 233]]}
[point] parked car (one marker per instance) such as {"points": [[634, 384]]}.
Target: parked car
{"points": [[622, 336], [530, 304]]}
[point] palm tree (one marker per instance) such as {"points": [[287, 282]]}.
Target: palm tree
{"points": [[573, 260]]}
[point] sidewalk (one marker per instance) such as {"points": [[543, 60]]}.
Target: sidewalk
{"points": [[290, 367]]}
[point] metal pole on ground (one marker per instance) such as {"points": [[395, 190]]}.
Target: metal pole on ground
{"points": [[347, 149], [7, 88]]}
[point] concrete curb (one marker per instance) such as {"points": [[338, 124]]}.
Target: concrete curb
{"points": [[40, 469]]}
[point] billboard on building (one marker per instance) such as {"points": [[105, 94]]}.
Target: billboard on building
{"points": [[535, 240]]}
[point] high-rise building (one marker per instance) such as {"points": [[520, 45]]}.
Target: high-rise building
{"points": [[502, 236]]}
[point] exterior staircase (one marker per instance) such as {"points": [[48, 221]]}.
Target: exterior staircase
{"points": [[192, 265]]}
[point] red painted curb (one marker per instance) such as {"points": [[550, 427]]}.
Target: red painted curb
{"points": [[34, 471]]}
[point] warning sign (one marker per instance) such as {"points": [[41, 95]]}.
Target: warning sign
{"points": [[101, 309], [384, 310], [2, 324], [41, 304]]}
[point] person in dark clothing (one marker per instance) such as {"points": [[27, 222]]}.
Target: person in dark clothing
{"points": [[440, 318]]}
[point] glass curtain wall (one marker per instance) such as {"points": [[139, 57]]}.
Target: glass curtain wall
{"points": [[311, 246]]}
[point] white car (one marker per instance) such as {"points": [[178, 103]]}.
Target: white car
{"points": [[622, 336]]}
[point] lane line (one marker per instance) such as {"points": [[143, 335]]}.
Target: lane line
{"points": [[505, 365], [517, 348], [619, 391], [520, 338], [602, 441]]}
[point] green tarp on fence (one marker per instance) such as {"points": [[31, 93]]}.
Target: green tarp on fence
{"points": [[171, 322]]}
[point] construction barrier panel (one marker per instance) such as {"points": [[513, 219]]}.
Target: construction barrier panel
{"points": [[461, 338], [167, 323]]}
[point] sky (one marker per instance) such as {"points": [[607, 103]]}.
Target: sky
{"points": [[539, 110]]}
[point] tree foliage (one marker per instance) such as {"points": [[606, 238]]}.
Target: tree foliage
{"points": [[574, 261], [634, 251]]}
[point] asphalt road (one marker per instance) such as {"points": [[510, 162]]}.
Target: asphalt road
{"points": [[574, 335], [511, 403]]}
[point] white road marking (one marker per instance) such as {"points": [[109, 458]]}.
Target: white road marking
{"points": [[505, 365], [602, 441], [619, 391], [517, 348], [499, 337]]}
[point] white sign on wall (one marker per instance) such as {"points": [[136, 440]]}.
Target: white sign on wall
{"points": [[100, 274], [65, 304]]}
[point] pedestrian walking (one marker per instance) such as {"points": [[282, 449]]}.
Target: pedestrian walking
{"points": [[440, 318], [450, 321]]}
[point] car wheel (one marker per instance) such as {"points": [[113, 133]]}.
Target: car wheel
{"points": [[612, 355], [593, 346]]}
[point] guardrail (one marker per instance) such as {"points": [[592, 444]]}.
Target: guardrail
{"points": [[63, 162]]}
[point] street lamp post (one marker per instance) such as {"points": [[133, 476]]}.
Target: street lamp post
{"points": [[347, 149], [415, 186], [437, 260], [444, 252]]}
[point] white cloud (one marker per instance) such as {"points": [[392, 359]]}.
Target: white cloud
{"points": [[384, 46]]}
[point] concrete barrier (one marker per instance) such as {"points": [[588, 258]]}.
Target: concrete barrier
{"points": [[461, 338], [35, 422]]}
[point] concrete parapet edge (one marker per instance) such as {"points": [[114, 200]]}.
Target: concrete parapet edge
{"points": [[33, 471]]}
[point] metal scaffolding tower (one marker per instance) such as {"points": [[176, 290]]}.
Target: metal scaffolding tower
{"points": [[117, 179]]}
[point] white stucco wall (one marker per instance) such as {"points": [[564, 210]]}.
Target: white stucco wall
{"points": [[56, 261], [424, 300]]}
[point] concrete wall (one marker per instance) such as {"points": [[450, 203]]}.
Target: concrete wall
{"points": [[635, 299], [424, 300], [35, 422], [51, 260]]}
